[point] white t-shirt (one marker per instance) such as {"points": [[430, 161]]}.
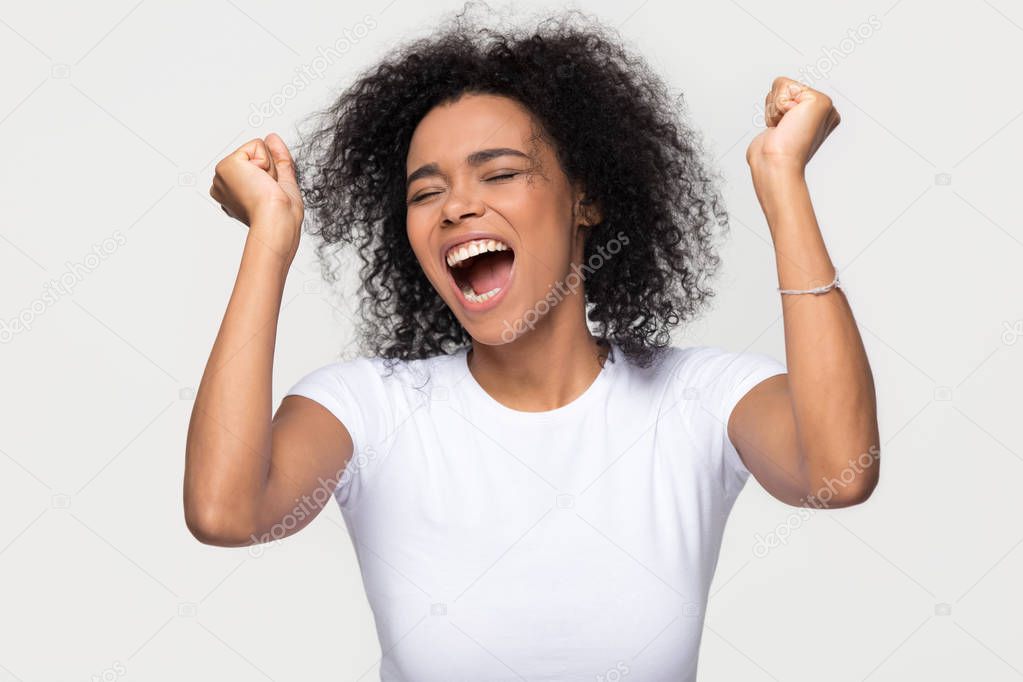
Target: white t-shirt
{"points": [[573, 544]]}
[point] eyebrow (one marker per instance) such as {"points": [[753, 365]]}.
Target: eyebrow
{"points": [[477, 158]]}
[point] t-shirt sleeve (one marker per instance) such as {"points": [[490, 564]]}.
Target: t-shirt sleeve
{"points": [[353, 391], [719, 379]]}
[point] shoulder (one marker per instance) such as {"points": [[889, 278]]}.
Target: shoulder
{"points": [[718, 362], [717, 378], [373, 381], [371, 395], [348, 373], [382, 370]]}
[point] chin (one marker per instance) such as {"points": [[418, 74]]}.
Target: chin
{"points": [[495, 327]]}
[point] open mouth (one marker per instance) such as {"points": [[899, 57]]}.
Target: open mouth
{"points": [[481, 268]]}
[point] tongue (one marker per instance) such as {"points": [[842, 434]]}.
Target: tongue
{"points": [[489, 271]]}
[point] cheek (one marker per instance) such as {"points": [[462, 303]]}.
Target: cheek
{"points": [[425, 253], [418, 238], [547, 241]]}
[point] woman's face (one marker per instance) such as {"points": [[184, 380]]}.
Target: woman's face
{"points": [[478, 178]]}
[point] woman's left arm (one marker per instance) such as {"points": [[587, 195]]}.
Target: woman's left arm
{"points": [[810, 436]]}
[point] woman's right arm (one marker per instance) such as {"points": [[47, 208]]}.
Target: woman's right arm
{"points": [[250, 476]]}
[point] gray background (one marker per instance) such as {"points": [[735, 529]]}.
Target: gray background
{"points": [[112, 116]]}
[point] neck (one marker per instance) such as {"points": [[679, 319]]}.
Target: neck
{"points": [[546, 367]]}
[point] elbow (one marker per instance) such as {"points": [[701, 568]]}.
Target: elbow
{"points": [[217, 526], [851, 485], [848, 497]]}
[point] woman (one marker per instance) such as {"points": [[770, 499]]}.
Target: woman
{"points": [[535, 481]]}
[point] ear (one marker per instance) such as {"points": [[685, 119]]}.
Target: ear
{"points": [[588, 211]]}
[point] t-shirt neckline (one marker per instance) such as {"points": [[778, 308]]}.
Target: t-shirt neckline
{"points": [[580, 402]]}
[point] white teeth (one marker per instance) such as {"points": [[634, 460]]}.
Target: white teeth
{"points": [[470, 295], [467, 250], [474, 248]]}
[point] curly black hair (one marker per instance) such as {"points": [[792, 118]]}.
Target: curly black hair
{"points": [[613, 126]]}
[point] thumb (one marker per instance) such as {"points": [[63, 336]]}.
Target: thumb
{"points": [[284, 162]]}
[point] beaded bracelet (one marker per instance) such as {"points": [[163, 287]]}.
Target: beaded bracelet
{"points": [[816, 290]]}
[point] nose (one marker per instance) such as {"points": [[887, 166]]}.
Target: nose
{"points": [[459, 206]]}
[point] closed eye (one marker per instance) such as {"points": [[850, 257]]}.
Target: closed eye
{"points": [[496, 177]]}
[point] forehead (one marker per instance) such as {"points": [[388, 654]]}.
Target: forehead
{"points": [[449, 132]]}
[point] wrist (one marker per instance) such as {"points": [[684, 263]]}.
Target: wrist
{"points": [[278, 229], [779, 186], [272, 210], [776, 169], [265, 255]]}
